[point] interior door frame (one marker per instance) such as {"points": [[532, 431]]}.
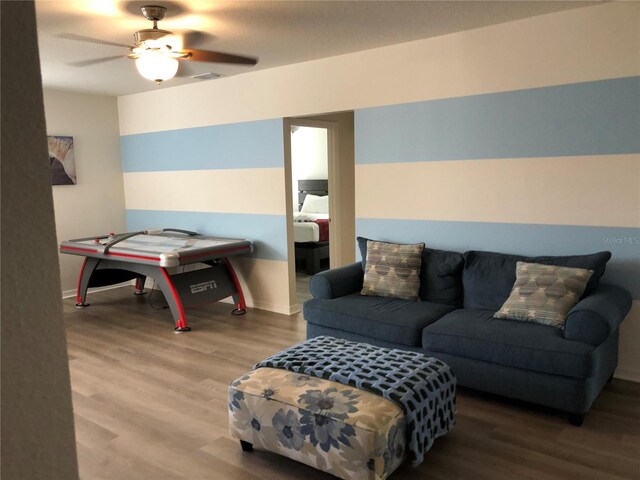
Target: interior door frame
{"points": [[334, 201]]}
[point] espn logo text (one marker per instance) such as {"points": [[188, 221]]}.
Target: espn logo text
{"points": [[203, 286]]}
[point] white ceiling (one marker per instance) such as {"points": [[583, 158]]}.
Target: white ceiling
{"points": [[276, 32]]}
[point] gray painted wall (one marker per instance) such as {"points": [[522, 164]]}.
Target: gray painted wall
{"points": [[38, 440]]}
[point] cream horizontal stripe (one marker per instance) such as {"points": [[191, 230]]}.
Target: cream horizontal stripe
{"points": [[586, 190], [265, 283], [572, 46], [250, 190]]}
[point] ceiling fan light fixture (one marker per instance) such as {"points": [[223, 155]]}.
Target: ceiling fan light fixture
{"points": [[156, 51], [156, 66]]}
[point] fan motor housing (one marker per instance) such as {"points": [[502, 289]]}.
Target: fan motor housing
{"points": [[153, 12], [150, 34]]}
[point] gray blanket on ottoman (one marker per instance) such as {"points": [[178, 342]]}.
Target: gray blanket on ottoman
{"points": [[422, 386]]}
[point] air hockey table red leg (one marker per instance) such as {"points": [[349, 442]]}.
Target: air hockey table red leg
{"points": [[238, 297], [173, 299], [139, 288], [88, 266]]}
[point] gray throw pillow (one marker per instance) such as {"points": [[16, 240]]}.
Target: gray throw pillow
{"points": [[544, 293], [392, 270]]}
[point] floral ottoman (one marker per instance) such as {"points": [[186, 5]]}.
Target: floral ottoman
{"points": [[350, 433], [351, 409]]}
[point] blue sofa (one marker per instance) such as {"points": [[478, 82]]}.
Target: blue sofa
{"points": [[459, 293]]}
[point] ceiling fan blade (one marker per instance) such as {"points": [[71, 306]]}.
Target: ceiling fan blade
{"points": [[219, 57], [194, 38], [94, 61], [72, 36]]}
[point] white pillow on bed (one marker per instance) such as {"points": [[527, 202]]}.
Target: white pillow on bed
{"points": [[315, 204]]}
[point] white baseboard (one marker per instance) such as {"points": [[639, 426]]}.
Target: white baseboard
{"points": [[272, 307], [627, 374], [72, 293]]}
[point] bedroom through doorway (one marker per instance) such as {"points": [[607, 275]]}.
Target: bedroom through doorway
{"points": [[320, 184], [310, 201]]}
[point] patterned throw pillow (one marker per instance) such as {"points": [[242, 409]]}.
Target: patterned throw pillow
{"points": [[392, 270], [544, 293]]}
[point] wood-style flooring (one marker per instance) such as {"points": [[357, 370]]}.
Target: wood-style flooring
{"points": [[150, 404]]}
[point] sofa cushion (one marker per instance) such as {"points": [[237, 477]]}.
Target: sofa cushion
{"points": [[488, 276], [544, 293], [389, 319], [440, 275], [475, 334], [393, 270]]}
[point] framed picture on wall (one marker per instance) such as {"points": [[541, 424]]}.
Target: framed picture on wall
{"points": [[61, 160]]}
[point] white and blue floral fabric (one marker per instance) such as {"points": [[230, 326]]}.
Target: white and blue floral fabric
{"points": [[350, 433], [423, 387]]}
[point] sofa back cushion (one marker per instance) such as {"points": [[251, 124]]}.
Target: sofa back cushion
{"points": [[488, 277], [440, 275]]}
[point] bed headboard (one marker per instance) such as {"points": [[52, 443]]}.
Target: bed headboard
{"points": [[313, 187]]}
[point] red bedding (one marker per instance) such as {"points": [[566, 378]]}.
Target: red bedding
{"points": [[323, 224]]}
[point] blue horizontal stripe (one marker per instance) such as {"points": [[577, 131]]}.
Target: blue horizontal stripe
{"points": [[523, 239], [257, 144], [592, 118], [267, 232]]}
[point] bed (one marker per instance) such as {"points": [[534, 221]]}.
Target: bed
{"points": [[311, 224]]}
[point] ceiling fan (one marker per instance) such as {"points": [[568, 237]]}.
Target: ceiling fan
{"points": [[155, 51]]}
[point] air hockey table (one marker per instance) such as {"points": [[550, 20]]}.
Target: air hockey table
{"points": [[117, 258]]}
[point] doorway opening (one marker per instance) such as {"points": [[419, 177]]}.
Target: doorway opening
{"points": [[310, 203], [320, 188]]}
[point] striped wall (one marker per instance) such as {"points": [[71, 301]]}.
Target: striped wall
{"points": [[223, 180], [553, 170], [590, 118]]}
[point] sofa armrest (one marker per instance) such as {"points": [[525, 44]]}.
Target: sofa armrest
{"points": [[337, 282], [594, 318]]}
